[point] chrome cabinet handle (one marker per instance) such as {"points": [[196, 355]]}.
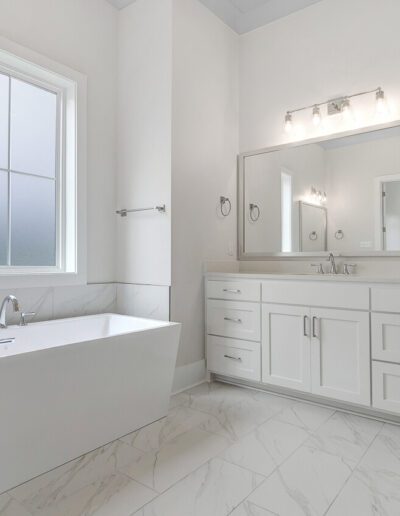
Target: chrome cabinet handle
{"points": [[230, 319], [238, 359], [314, 319], [232, 290], [305, 318], [7, 341]]}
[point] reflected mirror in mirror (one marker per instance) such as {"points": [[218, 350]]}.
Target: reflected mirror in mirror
{"points": [[336, 195]]}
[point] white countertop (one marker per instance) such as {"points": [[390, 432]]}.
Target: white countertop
{"points": [[353, 278]]}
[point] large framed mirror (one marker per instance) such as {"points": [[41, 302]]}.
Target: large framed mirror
{"points": [[337, 194]]}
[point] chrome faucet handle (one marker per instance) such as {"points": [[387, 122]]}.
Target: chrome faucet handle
{"points": [[24, 315], [318, 268], [348, 268]]}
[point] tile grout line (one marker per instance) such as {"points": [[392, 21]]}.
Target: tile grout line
{"points": [[354, 470]]}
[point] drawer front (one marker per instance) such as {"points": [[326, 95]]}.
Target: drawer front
{"points": [[234, 290], [386, 386], [308, 293], [385, 333], [233, 357], [385, 299], [233, 319]]}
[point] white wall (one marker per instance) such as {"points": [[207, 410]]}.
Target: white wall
{"points": [[332, 48], [81, 35], [204, 148], [144, 141]]}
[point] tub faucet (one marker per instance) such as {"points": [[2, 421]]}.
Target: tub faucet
{"points": [[333, 268], [9, 299]]}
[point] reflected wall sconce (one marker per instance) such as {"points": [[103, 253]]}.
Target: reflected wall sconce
{"points": [[225, 206], [341, 105], [317, 196]]}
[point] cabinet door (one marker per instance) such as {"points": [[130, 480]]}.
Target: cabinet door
{"points": [[385, 337], [286, 346], [340, 355]]}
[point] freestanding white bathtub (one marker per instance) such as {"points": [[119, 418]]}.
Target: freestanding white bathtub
{"points": [[69, 386]]}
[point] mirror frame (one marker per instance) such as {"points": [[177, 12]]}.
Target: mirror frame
{"points": [[241, 212]]}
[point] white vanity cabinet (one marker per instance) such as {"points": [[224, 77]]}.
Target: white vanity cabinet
{"points": [[340, 355], [336, 339], [385, 345], [323, 351], [286, 346]]}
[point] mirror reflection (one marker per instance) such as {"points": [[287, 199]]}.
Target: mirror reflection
{"points": [[338, 195]]}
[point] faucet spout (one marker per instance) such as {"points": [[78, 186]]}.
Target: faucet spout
{"points": [[9, 299]]}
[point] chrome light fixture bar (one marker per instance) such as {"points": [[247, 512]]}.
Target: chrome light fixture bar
{"points": [[335, 107]]}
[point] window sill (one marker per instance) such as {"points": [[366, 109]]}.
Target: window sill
{"points": [[23, 279]]}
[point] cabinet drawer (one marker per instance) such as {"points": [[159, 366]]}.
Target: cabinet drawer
{"points": [[233, 319], [234, 290], [308, 293], [385, 333], [385, 299], [386, 386], [233, 357]]}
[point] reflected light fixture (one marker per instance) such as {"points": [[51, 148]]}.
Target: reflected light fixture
{"points": [[316, 116], [381, 106], [288, 123], [341, 105]]}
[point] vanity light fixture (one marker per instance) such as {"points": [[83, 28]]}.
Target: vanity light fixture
{"points": [[288, 123], [316, 116], [341, 105]]}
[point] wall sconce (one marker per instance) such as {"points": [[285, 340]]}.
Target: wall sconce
{"points": [[337, 106]]}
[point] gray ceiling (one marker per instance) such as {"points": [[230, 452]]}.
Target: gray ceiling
{"points": [[245, 15]]}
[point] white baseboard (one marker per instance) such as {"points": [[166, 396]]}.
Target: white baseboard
{"points": [[189, 375]]}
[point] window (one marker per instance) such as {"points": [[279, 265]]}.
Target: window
{"points": [[41, 218], [29, 174]]}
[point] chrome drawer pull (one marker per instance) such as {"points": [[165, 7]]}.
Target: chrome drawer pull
{"points": [[230, 319], [7, 341], [233, 358], [232, 290]]}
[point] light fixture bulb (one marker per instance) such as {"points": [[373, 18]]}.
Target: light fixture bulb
{"points": [[381, 107], [288, 123], [316, 114], [346, 109]]}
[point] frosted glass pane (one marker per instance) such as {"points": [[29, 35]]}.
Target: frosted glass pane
{"points": [[33, 129], [4, 87], [3, 217], [33, 225]]}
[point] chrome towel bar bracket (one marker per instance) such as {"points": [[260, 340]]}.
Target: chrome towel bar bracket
{"points": [[124, 212]]}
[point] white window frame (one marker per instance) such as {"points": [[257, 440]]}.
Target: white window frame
{"points": [[70, 87]]}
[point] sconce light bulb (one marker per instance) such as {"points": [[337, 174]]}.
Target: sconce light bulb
{"points": [[288, 123], [316, 114], [381, 107], [346, 109]]}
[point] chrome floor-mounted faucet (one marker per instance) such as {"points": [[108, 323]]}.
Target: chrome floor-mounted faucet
{"points": [[9, 299]]}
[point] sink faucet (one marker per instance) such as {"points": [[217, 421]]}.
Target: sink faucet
{"points": [[331, 259], [9, 299]]}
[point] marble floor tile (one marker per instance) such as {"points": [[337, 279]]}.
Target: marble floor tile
{"points": [[152, 437], [116, 495], [305, 415], [179, 400], [175, 459], [345, 436], [266, 447], [374, 488], [364, 495], [236, 411], [305, 485], [215, 489], [49, 489], [10, 507], [250, 509]]}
